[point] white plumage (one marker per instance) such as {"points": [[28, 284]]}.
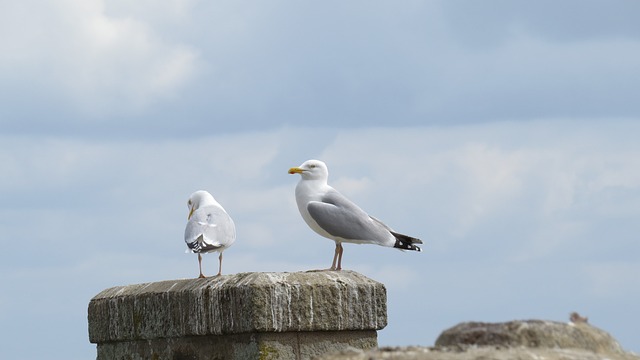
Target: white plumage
{"points": [[335, 217], [209, 227]]}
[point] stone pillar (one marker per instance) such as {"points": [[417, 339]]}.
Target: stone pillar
{"points": [[241, 316]]}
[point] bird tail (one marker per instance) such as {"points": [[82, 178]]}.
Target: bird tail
{"points": [[202, 244], [405, 242]]}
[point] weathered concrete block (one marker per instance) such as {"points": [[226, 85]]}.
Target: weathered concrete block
{"points": [[264, 346], [238, 314]]}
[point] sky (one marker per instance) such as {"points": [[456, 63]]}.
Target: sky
{"points": [[501, 133]]}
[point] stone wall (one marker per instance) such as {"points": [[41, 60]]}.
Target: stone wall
{"points": [[242, 316]]}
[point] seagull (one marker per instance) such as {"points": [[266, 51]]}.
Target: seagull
{"points": [[209, 227], [330, 214]]}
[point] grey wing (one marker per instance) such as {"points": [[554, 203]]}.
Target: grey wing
{"points": [[209, 228], [340, 217]]}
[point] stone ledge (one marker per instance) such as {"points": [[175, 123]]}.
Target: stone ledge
{"points": [[272, 346], [238, 303]]}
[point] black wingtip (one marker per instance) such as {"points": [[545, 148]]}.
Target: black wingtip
{"points": [[405, 242], [406, 246]]}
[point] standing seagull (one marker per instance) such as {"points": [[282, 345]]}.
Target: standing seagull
{"points": [[335, 217], [209, 227]]}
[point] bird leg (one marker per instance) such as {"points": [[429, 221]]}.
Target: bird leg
{"points": [[335, 258], [220, 265], [339, 255], [200, 265]]}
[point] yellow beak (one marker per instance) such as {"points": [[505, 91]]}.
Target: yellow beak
{"points": [[193, 208], [295, 170]]}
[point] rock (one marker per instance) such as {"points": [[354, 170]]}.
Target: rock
{"points": [[532, 334], [473, 353], [519, 340]]}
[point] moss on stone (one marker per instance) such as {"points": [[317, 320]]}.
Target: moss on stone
{"points": [[268, 352]]}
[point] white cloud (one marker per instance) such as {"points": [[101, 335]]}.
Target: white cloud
{"points": [[445, 183], [98, 63], [167, 11], [516, 200], [543, 180], [243, 67]]}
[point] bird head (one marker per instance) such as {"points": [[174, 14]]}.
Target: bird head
{"points": [[311, 170], [198, 199]]}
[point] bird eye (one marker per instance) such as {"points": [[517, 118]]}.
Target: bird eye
{"points": [[312, 166]]}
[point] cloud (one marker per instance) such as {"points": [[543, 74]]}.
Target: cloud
{"points": [[501, 206], [132, 69], [534, 193], [94, 63], [570, 21], [114, 112], [529, 194]]}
